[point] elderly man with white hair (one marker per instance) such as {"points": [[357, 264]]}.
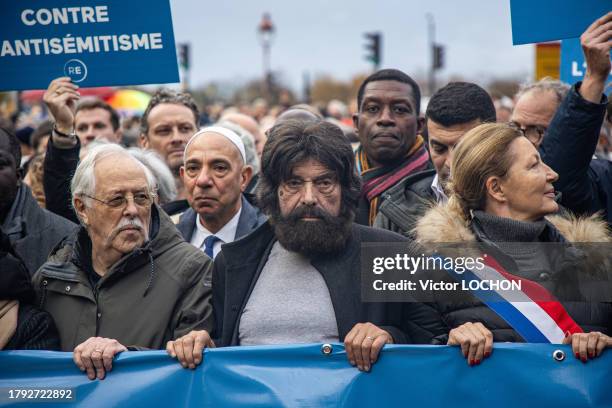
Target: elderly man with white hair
{"points": [[215, 176], [126, 279]]}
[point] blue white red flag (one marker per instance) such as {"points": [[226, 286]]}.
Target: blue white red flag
{"points": [[532, 311]]}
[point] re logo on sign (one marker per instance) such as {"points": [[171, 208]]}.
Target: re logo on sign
{"points": [[76, 70]]}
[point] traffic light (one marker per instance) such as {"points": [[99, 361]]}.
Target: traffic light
{"points": [[438, 56], [373, 45], [184, 55]]}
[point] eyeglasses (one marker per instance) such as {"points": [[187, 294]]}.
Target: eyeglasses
{"points": [[140, 200], [324, 185], [534, 133]]}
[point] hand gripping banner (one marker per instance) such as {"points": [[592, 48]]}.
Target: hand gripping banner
{"points": [[538, 375]]}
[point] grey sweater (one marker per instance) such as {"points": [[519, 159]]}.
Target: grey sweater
{"points": [[290, 303]]}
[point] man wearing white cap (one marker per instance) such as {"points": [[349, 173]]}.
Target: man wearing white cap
{"points": [[215, 175]]}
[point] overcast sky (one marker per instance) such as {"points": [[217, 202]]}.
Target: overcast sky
{"points": [[326, 37]]}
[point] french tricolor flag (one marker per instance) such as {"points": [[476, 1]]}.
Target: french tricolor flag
{"points": [[533, 311]]}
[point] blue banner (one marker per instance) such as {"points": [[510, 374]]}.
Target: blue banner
{"points": [[534, 375], [100, 42], [573, 65], [550, 20]]}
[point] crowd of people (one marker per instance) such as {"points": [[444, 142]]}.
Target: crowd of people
{"points": [[242, 232]]}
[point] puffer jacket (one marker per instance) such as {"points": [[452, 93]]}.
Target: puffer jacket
{"points": [[154, 294], [442, 225]]}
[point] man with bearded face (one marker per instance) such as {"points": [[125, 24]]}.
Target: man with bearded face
{"points": [[296, 278]]}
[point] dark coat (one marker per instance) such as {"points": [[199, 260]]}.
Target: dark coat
{"points": [[239, 264], [405, 203], [568, 147], [442, 225], [154, 294], [35, 328], [250, 218], [34, 231], [363, 206], [59, 167], [175, 207]]}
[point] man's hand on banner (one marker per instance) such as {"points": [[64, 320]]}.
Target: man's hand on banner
{"points": [[588, 345], [596, 42], [189, 348], [475, 339], [61, 98], [363, 344], [95, 355]]}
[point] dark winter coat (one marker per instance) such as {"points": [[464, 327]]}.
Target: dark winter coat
{"points": [[443, 225], [59, 167], [239, 264], [568, 147], [34, 231], [35, 328], [404, 204], [154, 294]]}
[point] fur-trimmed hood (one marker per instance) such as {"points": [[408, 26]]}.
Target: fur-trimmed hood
{"points": [[562, 276], [445, 224]]}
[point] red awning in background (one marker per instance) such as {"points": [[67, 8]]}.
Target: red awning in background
{"points": [[102, 92]]}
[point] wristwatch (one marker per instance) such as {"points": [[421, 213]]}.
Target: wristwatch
{"points": [[72, 135]]}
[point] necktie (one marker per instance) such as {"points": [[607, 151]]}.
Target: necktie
{"points": [[209, 243]]}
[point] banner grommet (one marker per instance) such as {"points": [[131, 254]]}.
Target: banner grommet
{"points": [[327, 349], [559, 355]]}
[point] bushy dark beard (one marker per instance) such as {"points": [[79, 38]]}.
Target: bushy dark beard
{"points": [[326, 236]]}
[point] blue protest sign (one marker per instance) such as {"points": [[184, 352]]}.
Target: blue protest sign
{"points": [[573, 65], [550, 20], [105, 42]]}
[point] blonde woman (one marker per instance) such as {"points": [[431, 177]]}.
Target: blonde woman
{"points": [[503, 193]]}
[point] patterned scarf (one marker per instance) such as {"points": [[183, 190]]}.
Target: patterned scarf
{"points": [[377, 180]]}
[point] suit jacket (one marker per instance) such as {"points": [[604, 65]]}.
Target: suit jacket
{"points": [[250, 218], [239, 264]]}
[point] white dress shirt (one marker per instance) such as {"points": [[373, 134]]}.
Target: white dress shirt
{"points": [[438, 190], [225, 234]]}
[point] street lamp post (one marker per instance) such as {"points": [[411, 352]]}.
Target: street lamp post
{"points": [[265, 31], [431, 35]]}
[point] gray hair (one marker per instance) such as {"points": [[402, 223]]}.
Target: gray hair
{"points": [[165, 184], [84, 181], [545, 84], [247, 139], [164, 181]]}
